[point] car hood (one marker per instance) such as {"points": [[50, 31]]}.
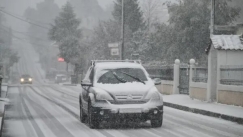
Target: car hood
{"points": [[132, 88]]}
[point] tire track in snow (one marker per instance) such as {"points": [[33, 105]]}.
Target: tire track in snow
{"points": [[200, 127], [50, 121], [220, 125], [68, 110], [14, 114], [30, 117], [149, 131]]}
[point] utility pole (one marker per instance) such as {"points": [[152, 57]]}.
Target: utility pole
{"points": [[122, 32], [212, 17], [212, 63]]}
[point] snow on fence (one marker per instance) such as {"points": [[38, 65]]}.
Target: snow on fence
{"points": [[166, 74], [231, 75], [200, 74], [162, 72]]}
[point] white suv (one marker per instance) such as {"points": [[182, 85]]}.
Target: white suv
{"points": [[120, 91]]}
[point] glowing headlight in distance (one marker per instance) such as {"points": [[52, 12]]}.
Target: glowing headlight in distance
{"points": [[21, 79], [30, 79]]}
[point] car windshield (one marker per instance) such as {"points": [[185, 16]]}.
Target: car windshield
{"points": [[25, 76], [122, 75]]}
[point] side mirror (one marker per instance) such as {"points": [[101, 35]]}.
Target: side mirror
{"points": [[157, 81], [1, 78], [85, 83]]}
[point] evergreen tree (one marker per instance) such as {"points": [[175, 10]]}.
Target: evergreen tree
{"points": [[191, 19], [188, 34], [133, 15], [66, 33], [44, 14]]}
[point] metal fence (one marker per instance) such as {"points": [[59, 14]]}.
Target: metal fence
{"points": [[162, 72], [200, 74], [184, 79], [231, 75]]}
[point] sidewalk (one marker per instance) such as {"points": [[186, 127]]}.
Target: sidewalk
{"points": [[184, 102], [68, 83], [3, 101]]}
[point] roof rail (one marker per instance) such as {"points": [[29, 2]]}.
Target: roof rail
{"points": [[131, 61]]}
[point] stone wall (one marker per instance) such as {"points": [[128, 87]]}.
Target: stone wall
{"points": [[231, 95], [198, 90], [166, 87]]}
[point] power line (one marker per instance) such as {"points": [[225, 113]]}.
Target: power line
{"points": [[23, 19], [22, 33], [21, 39]]}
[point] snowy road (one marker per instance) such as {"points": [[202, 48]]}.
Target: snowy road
{"points": [[49, 110], [52, 111]]}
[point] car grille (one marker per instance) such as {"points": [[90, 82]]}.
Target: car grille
{"points": [[129, 99], [129, 102]]}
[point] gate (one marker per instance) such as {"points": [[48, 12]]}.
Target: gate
{"points": [[184, 79]]}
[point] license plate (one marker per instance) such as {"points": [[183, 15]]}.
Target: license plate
{"points": [[130, 110]]}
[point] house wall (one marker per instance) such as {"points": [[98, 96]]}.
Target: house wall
{"points": [[166, 87], [198, 90], [228, 94], [230, 57]]}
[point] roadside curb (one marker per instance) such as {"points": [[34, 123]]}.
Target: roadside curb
{"points": [[205, 112], [3, 114]]}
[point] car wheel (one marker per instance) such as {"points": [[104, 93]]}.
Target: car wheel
{"points": [[82, 115], [157, 122], [93, 122]]}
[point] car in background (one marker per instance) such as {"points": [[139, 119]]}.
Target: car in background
{"points": [[26, 79], [60, 78], [119, 91]]}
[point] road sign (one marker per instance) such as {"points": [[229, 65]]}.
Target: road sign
{"points": [[113, 45], [61, 59], [114, 51]]}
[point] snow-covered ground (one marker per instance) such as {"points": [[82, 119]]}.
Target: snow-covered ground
{"points": [[185, 100], [51, 110]]}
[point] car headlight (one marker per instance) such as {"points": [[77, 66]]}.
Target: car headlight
{"points": [[30, 79], [103, 96], [21, 79]]}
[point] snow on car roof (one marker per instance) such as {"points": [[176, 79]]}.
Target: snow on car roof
{"points": [[113, 65]]}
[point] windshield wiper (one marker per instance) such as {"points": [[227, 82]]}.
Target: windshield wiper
{"points": [[136, 78], [118, 78]]}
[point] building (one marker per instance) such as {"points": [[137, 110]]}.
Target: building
{"points": [[225, 70]]}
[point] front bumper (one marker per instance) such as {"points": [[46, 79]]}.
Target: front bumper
{"points": [[25, 82], [132, 112]]}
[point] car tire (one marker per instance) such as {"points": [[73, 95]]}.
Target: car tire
{"points": [[92, 121], [82, 114], [157, 122]]}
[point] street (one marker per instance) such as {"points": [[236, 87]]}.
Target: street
{"points": [[51, 110]]}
